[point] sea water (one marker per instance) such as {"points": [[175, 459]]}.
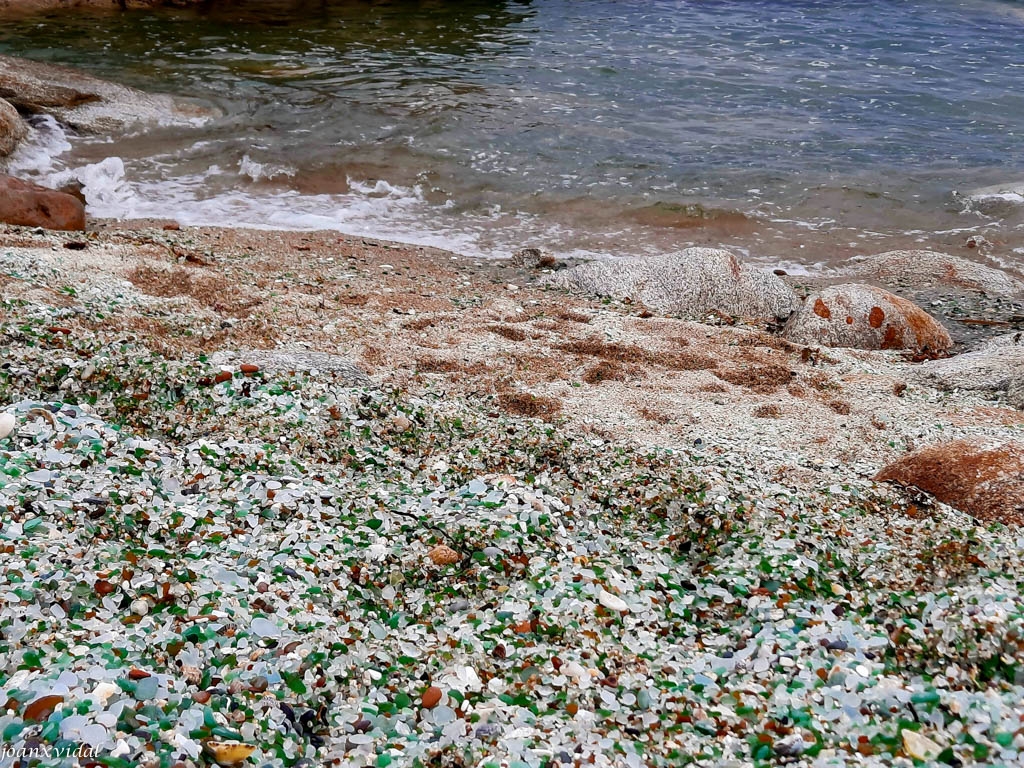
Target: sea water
{"points": [[608, 127]]}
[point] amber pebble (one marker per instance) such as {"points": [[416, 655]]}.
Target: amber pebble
{"points": [[431, 697]]}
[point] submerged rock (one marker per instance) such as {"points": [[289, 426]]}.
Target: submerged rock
{"points": [[31, 205], [12, 128], [997, 200], [924, 270], [997, 367], [985, 480], [866, 317], [693, 283], [87, 103]]}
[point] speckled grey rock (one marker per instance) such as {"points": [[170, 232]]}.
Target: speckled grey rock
{"points": [[87, 103], [692, 283], [12, 128], [924, 270], [865, 317], [1015, 392], [997, 367]]}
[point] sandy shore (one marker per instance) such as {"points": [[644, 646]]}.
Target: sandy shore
{"points": [[422, 320]]}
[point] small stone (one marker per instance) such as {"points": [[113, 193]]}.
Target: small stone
{"points": [[147, 688], [104, 691], [140, 607], [612, 602], [41, 708], [790, 746], [431, 697], [920, 747], [228, 753], [443, 555], [259, 684], [7, 423], [444, 715], [265, 628]]}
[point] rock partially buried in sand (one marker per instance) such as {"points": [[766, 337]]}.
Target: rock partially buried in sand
{"points": [[12, 128], [983, 479], [921, 270], [87, 103], [998, 366], [532, 258], [866, 317], [30, 205], [694, 283]]}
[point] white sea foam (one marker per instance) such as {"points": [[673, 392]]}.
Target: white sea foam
{"points": [[127, 189], [104, 184], [377, 209], [38, 155], [258, 171]]}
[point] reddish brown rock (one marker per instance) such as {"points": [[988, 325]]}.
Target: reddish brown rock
{"points": [[30, 205], [431, 697], [985, 480], [866, 317]]}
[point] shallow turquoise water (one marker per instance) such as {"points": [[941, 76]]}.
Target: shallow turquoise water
{"points": [[486, 125]]}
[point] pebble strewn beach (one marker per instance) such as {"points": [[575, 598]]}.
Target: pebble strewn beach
{"points": [[420, 526]]}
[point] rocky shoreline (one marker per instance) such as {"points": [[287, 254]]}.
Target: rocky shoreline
{"points": [[301, 498]]}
